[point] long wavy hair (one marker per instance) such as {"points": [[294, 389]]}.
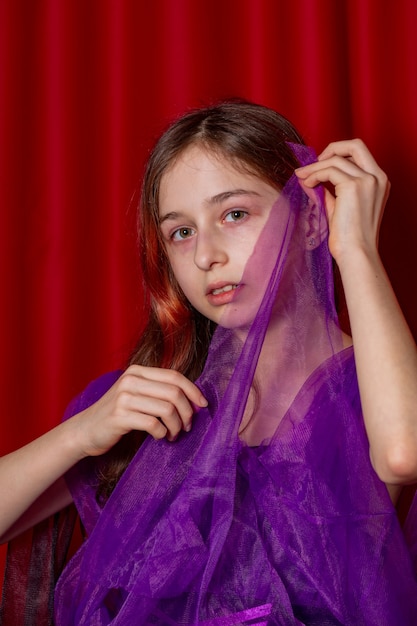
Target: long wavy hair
{"points": [[254, 139]]}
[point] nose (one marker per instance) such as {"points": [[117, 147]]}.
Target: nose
{"points": [[209, 250]]}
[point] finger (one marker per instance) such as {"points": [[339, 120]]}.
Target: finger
{"points": [[165, 412], [329, 202], [158, 399], [356, 151], [354, 148], [147, 393], [333, 175], [337, 162], [337, 170], [156, 417], [151, 425], [172, 377], [172, 413]]}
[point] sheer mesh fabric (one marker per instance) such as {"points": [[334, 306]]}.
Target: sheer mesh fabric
{"points": [[268, 511]]}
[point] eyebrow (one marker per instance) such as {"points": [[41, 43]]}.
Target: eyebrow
{"points": [[217, 199], [225, 195]]}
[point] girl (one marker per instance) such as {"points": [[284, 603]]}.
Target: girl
{"points": [[266, 492]]}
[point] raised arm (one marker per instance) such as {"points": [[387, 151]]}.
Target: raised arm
{"points": [[154, 400], [385, 352]]}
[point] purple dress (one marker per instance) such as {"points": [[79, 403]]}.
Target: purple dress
{"points": [[300, 531], [269, 511]]}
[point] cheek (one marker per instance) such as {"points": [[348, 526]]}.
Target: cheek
{"points": [[182, 270], [174, 262]]}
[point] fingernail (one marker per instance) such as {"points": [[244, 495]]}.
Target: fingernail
{"points": [[201, 405]]}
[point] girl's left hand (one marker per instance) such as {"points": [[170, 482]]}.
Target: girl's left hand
{"points": [[361, 190]]}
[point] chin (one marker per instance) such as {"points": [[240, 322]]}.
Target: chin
{"points": [[238, 319]]}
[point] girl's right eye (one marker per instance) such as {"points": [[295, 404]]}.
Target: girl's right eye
{"points": [[182, 233]]}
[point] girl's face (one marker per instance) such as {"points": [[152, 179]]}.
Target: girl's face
{"points": [[211, 216]]}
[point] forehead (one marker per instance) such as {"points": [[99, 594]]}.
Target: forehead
{"points": [[198, 158], [200, 173]]}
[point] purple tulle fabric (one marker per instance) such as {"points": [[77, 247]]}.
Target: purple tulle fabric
{"points": [[268, 512]]}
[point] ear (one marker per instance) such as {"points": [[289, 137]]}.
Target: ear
{"points": [[315, 219]]}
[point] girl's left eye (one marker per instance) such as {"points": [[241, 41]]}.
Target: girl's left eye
{"points": [[235, 216]]}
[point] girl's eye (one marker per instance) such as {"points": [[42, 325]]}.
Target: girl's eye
{"points": [[235, 216], [182, 233]]}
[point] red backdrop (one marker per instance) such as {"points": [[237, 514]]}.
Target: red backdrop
{"points": [[87, 85]]}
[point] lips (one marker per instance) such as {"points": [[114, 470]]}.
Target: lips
{"points": [[224, 289], [222, 293]]}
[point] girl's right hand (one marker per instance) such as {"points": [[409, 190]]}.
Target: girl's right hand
{"points": [[157, 401]]}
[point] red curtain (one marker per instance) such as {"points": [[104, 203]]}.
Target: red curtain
{"points": [[85, 88]]}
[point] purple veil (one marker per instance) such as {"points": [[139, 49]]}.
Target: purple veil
{"points": [[268, 511]]}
